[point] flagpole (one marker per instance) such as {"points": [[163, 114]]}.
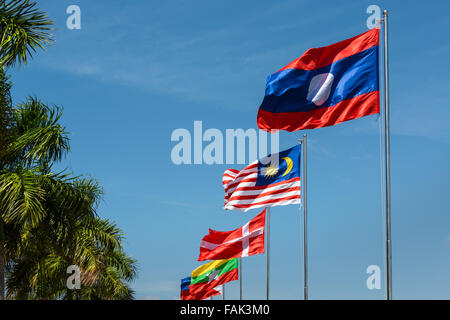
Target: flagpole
{"points": [[223, 292], [387, 162], [268, 251], [240, 278], [305, 242]]}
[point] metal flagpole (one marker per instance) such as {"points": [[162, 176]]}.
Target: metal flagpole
{"points": [[387, 162], [305, 242], [223, 292], [268, 251], [240, 278]]}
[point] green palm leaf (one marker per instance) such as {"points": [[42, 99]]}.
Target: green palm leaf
{"points": [[21, 197], [23, 30]]}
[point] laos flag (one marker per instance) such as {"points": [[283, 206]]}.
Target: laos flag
{"points": [[324, 87]]}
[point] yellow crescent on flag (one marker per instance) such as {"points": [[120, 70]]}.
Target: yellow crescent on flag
{"points": [[289, 165]]}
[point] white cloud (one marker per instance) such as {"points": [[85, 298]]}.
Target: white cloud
{"points": [[149, 52]]}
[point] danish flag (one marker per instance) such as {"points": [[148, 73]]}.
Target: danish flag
{"points": [[242, 242]]}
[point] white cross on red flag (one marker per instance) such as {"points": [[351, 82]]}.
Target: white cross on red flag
{"points": [[242, 242]]}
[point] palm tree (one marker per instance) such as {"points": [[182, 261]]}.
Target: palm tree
{"points": [[51, 220], [34, 139], [5, 123], [23, 29], [72, 234], [47, 221]]}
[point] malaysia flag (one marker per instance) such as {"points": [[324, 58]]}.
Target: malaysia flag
{"points": [[272, 181], [324, 87], [245, 241]]}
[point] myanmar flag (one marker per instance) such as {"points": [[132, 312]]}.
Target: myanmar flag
{"points": [[208, 276]]}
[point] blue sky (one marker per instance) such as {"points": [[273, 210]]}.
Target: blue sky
{"points": [[137, 71]]}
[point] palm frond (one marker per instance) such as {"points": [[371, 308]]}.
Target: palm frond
{"points": [[39, 136], [23, 30], [21, 197]]}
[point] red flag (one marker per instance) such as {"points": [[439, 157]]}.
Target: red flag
{"points": [[242, 242]]}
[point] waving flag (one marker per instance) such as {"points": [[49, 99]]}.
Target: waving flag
{"points": [[324, 87], [264, 185], [186, 294], [206, 278], [242, 242]]}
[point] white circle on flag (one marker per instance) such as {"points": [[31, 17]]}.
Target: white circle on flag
{"points": [[320, 88]]}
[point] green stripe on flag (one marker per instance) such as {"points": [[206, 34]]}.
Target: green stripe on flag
{"points": [[216, 273]]}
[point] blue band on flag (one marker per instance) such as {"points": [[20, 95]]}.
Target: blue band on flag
{"points": [[287, 168], [287, 90], [185, 283]]}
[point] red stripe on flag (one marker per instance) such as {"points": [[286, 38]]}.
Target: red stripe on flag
{"points": [[271, 201], [360, 106], [266, 186], [197, 289], [264, 194], [320, 57]]}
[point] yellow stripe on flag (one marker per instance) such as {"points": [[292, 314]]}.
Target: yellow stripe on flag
{"points": [[208, 267]]}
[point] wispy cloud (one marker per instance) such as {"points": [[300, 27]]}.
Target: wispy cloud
{"points": [[153, 51], [160, 199]]}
